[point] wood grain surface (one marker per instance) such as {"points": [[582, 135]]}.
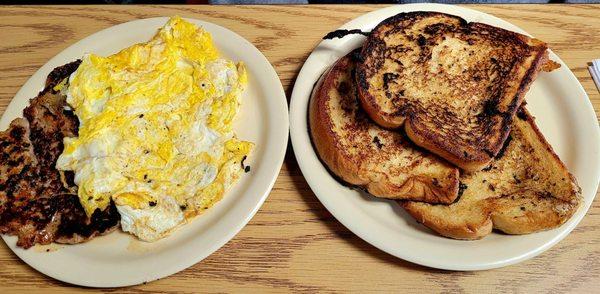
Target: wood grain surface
{"points": [[293, 243]]}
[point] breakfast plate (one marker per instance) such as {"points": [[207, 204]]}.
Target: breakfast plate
{"points": [[119, 259], [564, 115]]}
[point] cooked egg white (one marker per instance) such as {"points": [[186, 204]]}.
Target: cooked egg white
{"points": [[155, 132]]}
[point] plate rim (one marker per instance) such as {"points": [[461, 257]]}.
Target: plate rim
{"points": [[299, 144], [279, 126]]}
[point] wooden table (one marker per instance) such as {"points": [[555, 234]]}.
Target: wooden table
{"points": [[293, 243]]}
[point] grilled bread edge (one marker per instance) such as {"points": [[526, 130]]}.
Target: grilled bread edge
{"points": [[356, 150]]}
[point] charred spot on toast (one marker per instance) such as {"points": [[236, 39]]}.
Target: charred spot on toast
{"points": [[344, 88], [435, 28], [461, 189], [503, 149], [521, 114], [387, 78], [356, 56], [421, 40], [490, 107], [342, 33], [377, 142], [488, 168]]}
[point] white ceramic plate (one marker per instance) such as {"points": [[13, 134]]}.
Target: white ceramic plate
{"points": [[564, 115], [119, 259]]}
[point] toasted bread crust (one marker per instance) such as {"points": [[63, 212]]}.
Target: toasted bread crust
{"points": [[411, 78], [348, 143], [526, 189], [474, 230]]}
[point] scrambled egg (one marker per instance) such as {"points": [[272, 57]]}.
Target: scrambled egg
{"points": [[155, 132]]}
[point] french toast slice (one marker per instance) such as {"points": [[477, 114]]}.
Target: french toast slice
{"points": [[524, 190], [355, 149], [453, 86]]}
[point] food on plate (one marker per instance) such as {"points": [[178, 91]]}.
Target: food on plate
{"points": [[453, 86], [155, 133], [361, 153], [38, 203], [142, 137], [525, 189]]}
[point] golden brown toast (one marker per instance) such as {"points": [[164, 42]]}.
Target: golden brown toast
{"points": [[454, 86], [524, 190], [361, 153]]}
